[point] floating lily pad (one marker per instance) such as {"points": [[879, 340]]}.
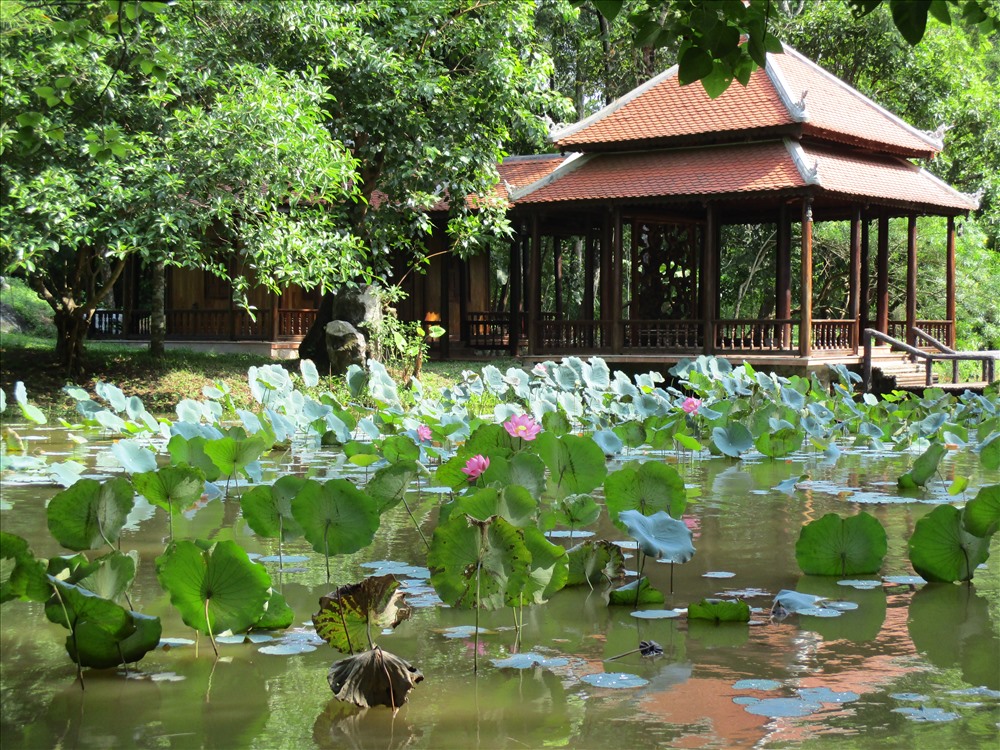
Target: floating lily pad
{"points": [[463, 631], [914, 697], [777, 708], [287, 649], [980, 692], [529, 660], [841, 605], [860, 583], [924, 714], [614, 680], [656, 614], [283, 559], [175, 642], [819, 612], [745, 700], [566, 533], [167, 677], [757, 685], [826, 695], [718, 574]]}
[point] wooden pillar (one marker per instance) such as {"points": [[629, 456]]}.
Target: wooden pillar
{"points": [[911, 278], [275, 305], [617, 280], [605, 282], [557, 268], [446, 321], [588, 275], [854, 290], [882, 275], [805, 326], [709, 251], [514, 333], [463, 297], [535, 344], [864, 298], [950, 282], [783, 274]]}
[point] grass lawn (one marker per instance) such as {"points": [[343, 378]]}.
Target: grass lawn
{"points": [[161, 383]]}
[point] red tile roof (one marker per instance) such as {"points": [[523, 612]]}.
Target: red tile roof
{"points": [[741, 169], [835, 111], [793, 95]]}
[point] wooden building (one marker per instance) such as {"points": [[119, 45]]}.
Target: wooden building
{"points": [[642, 191]]}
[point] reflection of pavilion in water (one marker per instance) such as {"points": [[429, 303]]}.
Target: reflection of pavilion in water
{"points": [[704, 703]]}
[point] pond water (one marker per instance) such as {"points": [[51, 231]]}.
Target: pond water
{"points": [[904, 665]]}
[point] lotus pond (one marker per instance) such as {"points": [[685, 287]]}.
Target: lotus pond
{"points": [[785, 531]]}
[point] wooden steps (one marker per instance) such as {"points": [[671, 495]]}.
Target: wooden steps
{"points": [[903, 373]]}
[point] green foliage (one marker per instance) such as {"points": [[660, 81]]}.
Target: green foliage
{"points": [[214, 587], [835, 546], [635, 593], [719, 610], [981, 517], [336, 517], [90, 514], [25, 579], [594, 561], [942, 550], [647, 487], [923, 468], [172, 488], [346, 616], [659, 535]]}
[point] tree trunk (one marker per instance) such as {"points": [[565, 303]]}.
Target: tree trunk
{"points": [[158, 315], [313, 346], [71, 333]]}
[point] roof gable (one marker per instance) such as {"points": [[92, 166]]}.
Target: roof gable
{"points": [[792, 96]]}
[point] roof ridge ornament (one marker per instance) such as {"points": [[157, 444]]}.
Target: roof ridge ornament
{"points": [[809, 174], [796, 109]]}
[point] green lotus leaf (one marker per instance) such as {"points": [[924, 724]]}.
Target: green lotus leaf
{"points": [[93, 646], [779, 443], [942, 550], [733, 439], [277, 614], [214, 589], [268, 509], [109, 576], [556, 423], [548, 570], [835, 546], [389, 484], [594, 561], [191, 451], [523, 469], [647, 487], [232, 455], [90, 513], [26, 578], [336, 517], [133, 456], [283, 491], [70, 605], [173, 488], [397, 448], [514, 504], [631, 433], [575, 511], [989, 452], [478, 563], [576, 464], [982, 514], [659, 535], [719, 610], [346, 616], [923, 468], [489, 440], [635, 593]]}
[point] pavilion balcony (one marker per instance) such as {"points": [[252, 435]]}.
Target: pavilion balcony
{"points": [[205, 324]]}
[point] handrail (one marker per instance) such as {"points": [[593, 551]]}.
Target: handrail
{"points": [[988, 360], [919, 333]]}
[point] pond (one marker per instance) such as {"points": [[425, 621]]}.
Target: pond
{"points": [[892, 662]]}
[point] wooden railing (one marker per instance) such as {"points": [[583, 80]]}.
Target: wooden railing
{"points": [[835, 335], [116, 324], [987, 359], [575, 335], [769, 336], [939, 329], [488, 330], [662, 334], [293, 324]]}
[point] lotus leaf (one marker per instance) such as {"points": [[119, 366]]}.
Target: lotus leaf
{"points": [[923, 468], [389, 484], [982, 515], [942, 550], [29, 411], [214, 589], [635, 593], [835, 546], [90, 513], [514, 504], [548, 570], [719, 610], [346, 615], [780, 442], [574, 511], [478, 563], [172, 488], [26, 579], [310, 375], [109, 576], [733, 439], [576, 464], [336, 517], [593, 561], [90, 645], [399, 448], [648, 487], [659, 535], [989, 452], [556, 423], [232, 455], [191, 451], [373, 678], [133, 456], [608, 441]]}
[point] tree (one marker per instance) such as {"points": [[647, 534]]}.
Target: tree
{"points": [[710, 35], [120, 138]]}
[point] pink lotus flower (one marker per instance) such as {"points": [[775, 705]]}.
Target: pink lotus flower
{"points": [[424, 432], [522, 426], [691, 405], [539, 369], [475, 466]]}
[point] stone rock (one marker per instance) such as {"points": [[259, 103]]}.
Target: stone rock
{"points": [[345, 346]]}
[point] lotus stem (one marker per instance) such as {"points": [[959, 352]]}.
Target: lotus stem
{"points": [[427, 545], [211, 635]]}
